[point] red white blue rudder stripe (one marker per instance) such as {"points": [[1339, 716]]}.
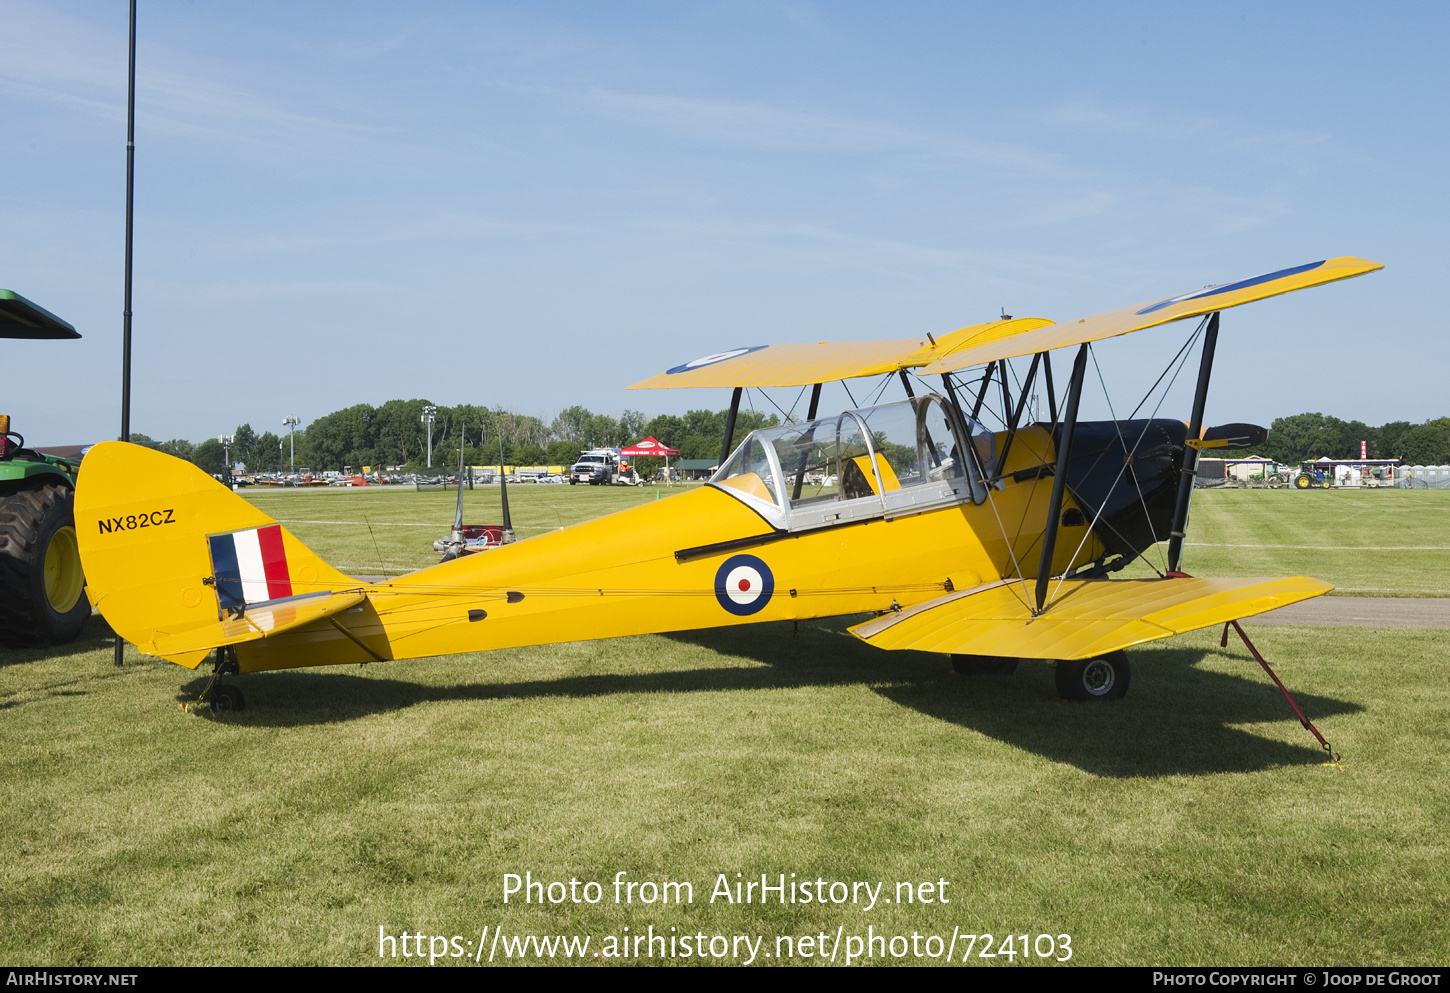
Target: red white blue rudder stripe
{"points": [[250, 566]]}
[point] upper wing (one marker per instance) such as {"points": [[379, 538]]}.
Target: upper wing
{"points": [[1087, 618], [827, 361], [1112, 323]]}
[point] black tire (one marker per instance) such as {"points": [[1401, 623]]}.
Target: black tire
{"points": [[1324, 484], [1103, 678], [983, 665], [1302, 482], [227, 699], [42, 588]]}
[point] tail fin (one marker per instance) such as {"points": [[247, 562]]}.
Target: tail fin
{"points": [[173, 559]]}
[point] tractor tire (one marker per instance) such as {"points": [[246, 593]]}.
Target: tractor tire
{"points": [[42, 588], [1302, 482]]}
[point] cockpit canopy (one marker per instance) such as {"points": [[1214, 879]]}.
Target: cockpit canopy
{"points": [[879, 461]]}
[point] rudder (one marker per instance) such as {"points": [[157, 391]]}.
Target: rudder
{"points": [[166, 549]]}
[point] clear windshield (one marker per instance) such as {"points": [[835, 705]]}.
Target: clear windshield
{"points": [[750, 471], [877, 455]]}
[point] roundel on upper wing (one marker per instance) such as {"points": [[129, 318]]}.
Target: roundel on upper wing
{"points": [[1242, 284], [705, 360], [743, 585]]}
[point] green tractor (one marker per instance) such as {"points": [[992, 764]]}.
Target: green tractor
{"points": [[42, 588]]}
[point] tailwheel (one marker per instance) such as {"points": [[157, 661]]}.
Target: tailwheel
{"points": [[226, 699], [983, 665], [1103, 678]]}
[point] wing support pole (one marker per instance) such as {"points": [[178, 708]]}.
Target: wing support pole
{"points": [[1016, 420], [730, 425], [1059, 478], [800, 476], [1190, 454], [1051, 397], [905, 384], [1003, 372], [982, 393]]}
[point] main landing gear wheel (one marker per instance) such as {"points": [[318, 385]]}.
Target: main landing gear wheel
{"points": [[983, 665], [1103, 678], [226, 698], [42, 599]]}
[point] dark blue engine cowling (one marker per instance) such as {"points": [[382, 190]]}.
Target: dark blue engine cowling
{"points": [[1124, 476]]}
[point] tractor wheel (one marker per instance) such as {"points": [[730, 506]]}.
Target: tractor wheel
{"points": [[1324, 484], [1103, 678], [42, 588], [1302, 482]]}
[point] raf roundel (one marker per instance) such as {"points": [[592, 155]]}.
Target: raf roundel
{"points": [[743, 585], [703, 361]]}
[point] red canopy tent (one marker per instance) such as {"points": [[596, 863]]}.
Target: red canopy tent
{"points": [[650, 446]]}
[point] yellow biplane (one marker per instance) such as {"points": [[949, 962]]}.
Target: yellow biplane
{"points": [[990, 545]]}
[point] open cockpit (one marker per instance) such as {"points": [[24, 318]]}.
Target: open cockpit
{"points": [[873, 462]]}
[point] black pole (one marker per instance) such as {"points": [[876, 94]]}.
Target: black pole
{"points": [[982, 392], [1017, 411], [130, 206], [1059, 479], [1006, 393], [906, 384], [503, 487], [1051, 397], [730, 425], [126, 309], [800, 476], [1190, 454]]}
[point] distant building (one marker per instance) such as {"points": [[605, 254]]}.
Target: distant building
{"points": [[696, 468]]}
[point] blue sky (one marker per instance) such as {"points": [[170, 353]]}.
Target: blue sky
{"points": [[534, 205]]}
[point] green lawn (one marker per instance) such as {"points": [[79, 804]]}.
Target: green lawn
{"points": [[1193, 823]]}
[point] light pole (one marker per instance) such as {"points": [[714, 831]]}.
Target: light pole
{"points": [[429, 415], [290, 422], [226, 440]]}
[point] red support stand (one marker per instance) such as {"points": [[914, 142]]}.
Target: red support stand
{"points": [[1308, 725]]}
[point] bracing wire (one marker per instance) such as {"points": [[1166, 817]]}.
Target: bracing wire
{"points": [[1176, 365]]}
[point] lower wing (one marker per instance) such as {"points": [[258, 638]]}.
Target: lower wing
{"points": [[1086, 618]]}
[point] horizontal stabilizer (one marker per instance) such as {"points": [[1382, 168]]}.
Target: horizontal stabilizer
{"points": [[258, 622], [1085, 617]]}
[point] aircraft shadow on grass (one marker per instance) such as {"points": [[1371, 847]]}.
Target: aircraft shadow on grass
{"points": [[95, 635], [1179, 719]]}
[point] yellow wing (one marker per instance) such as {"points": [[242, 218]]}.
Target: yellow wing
{"points": [[1087, 618], [1112, 323], [827, 361]]}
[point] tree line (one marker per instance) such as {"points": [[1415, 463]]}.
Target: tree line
{"points": [[1305, 437], [394, 434]]}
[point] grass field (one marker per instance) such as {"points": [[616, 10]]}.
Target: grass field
{"points": [[1193, 823]]}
